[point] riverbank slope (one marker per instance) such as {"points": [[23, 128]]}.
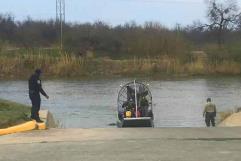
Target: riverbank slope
{"points": [[12, 113], [234, 120]]}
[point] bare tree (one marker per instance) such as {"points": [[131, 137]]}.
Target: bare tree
{"points": [[222, 16]]}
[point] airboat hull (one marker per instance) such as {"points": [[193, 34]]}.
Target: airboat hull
{"points": [[136, 122]]}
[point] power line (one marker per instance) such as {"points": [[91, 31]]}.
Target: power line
{"points": [[60, 18]]}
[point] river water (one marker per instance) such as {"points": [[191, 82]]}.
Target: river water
{"points": [[92, 103]]}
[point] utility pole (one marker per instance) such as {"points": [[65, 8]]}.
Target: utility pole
{"points": [[60, 18]]}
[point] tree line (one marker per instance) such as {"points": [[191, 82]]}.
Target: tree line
{"points": [[223, 27]]}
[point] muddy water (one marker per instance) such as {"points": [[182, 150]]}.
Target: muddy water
{"points": [[91, 104]]}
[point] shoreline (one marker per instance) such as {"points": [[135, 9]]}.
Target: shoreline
{"points": [[115, 77], [72, 67]]}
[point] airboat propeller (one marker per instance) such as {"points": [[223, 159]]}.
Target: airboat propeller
{"points": [[134, 105]]}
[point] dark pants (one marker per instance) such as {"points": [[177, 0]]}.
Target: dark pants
{"points": [[210, 118], [35, 99]]}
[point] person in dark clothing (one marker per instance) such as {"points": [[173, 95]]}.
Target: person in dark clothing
{"points": [[130, 93], [144, 107], [209, 113], [35, 88]]}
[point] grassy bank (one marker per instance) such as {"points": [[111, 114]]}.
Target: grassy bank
{"points": [[12, 113], [67, 66]]}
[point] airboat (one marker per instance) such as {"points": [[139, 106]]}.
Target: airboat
{"points": [[134, 105]]}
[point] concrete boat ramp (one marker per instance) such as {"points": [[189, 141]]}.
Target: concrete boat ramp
{"points": [[133, 144]]}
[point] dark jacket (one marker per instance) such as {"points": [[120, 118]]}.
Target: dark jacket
{"points": [[35, 85]]}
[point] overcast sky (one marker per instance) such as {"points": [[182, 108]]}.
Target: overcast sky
{"points": [[114, 12]]}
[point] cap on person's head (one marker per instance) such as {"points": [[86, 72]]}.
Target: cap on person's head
{"points": [[38, 71], [209, 100]]}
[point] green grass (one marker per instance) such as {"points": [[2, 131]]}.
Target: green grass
{"points": [[12, 113]]}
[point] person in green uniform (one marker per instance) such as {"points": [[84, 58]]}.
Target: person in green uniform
{"points": [[210, 113]]}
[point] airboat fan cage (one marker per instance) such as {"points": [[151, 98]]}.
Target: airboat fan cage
{"points": [[134, 92]]}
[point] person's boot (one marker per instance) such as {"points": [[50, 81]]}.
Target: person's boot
{"points": [[39, 121], [32, 118]]}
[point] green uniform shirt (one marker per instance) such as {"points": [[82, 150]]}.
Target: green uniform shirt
{"points": [[210, 107]]}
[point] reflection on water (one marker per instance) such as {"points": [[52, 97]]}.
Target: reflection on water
{"points": [[88, 104]]}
